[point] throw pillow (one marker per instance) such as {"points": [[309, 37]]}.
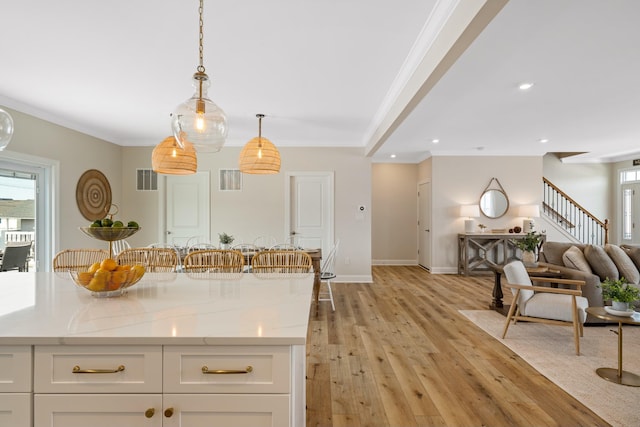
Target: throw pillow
{"points": [[626, 267], [574, 258], [634, 253], [600, 262]]}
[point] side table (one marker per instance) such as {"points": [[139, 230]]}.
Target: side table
{"points": [[498, 271], [617, 376]]}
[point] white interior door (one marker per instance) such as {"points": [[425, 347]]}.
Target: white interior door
{"points": [[309, 219], [424, 225], [187, 207]]}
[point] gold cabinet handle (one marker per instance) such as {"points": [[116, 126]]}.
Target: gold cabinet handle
{"points": [[246, 370], [168, 412], [149, 412], [78, 370]]}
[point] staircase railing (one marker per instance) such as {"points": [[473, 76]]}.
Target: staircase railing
{"points": [[573, 218]]}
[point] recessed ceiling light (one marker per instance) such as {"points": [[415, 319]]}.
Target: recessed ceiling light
{"points": [[543, 140], [435, 141], [525, 86], [393, 156]]}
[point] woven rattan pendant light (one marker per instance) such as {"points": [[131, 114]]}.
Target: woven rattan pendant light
{"points": [[259, 156], [170, 159]]}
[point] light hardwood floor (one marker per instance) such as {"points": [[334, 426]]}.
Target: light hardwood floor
{"points": [[398, 353]]}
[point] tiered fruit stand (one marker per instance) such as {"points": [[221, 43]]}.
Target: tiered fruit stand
{"points": [[110, 234]]}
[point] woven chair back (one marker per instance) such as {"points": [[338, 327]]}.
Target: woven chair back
{"points": [[286, 261], [78, 259], [154, 260], [214, 261]]}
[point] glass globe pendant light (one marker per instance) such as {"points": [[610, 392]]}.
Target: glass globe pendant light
{"points": [[199, 120], [6, 129]]}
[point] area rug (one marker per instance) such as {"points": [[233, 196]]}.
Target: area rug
{"points": [[550, 350]]}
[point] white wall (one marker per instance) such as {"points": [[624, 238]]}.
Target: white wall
{"points": [[259, 208], [394, 213], [461, 180], [586, 183], [76, 153]]}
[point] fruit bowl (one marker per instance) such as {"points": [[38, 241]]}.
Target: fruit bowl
{"points": [[105, 283], [110, 234]]}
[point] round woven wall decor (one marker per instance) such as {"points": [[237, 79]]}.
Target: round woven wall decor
{"points": [[93, 195]]}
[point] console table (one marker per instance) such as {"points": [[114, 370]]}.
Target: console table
{"points": [[480, 253]]}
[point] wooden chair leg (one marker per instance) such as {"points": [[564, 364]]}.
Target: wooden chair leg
{"points": [[576, 328], [510, 315]]}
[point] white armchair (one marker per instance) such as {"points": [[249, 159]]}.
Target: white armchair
{"points": [[557, 306]]}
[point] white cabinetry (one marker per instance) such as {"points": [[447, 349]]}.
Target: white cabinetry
{"points": [[15, 386], [176, 350], [162, 386]]}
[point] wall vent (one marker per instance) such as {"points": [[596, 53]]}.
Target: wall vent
{"points": [[230, 180], [146, 180]]}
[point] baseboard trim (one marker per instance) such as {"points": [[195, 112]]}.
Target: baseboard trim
{"points": [[353, 278], [394, 262], [443, 270]]}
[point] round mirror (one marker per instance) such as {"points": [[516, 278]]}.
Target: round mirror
{"points": [[494, 203]]}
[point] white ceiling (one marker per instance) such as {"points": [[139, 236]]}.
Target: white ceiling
{"points": [[387, 76]]}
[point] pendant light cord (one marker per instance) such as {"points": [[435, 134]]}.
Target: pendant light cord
{"points": [[201, 41], [260, 116]]}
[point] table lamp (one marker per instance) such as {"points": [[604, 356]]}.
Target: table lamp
{"points": [[529, 212], [470, 212]]}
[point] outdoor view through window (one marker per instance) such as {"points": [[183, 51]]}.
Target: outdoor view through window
{"points": [[17, 209]]}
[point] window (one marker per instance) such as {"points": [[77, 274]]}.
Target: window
{"points": [[627, 213], [40, 177], [629, 176]]}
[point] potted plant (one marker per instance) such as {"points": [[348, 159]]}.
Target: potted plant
{"points": [[620, 292], [225, 240], [528, 245]]}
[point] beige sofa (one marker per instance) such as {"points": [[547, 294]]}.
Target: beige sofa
{"points": [[593, 264]]}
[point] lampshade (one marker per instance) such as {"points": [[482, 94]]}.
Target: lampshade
{"points": [[470, 211], [199, 120], [259, 156], [6, 129], [169, 158], [529, 211]]}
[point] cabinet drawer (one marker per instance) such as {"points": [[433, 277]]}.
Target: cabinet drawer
{"points": [[98, 369], [269, 369], [240, 410], [97, 410], [15, 368], [15, 409]]}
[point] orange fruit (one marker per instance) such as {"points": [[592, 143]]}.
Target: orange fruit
{"points": [[84, 278], [99, 281], [118, 278], [108, 264], [94, 267], [139, 271]]}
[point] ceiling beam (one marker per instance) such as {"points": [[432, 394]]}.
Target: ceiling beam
{"points": [[448, 32]]}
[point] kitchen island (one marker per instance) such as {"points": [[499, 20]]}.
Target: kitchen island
{"points": [[177, 350]]}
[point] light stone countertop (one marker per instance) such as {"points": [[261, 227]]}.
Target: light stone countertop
{"points": [[163, 308]]}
